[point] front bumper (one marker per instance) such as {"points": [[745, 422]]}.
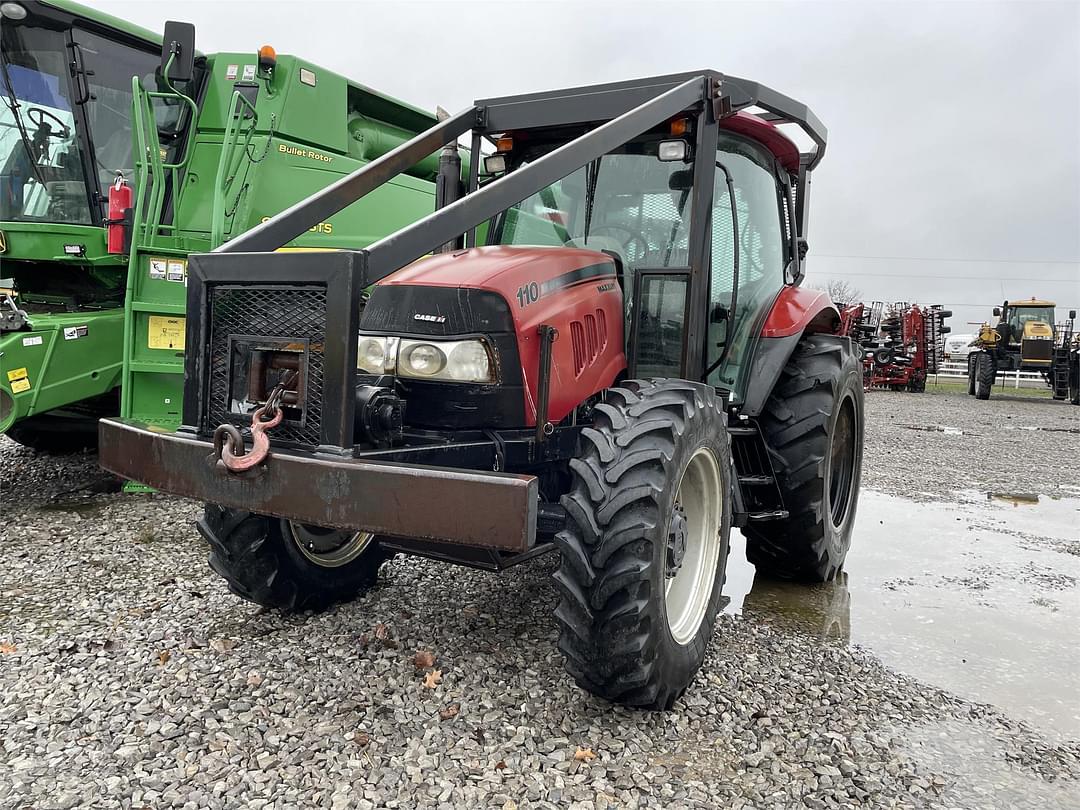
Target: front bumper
{"points": [[466, 507]]}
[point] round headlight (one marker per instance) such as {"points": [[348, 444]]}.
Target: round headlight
{"points": [[423, 359], [469, 361], [13, 11], [371, 355]]}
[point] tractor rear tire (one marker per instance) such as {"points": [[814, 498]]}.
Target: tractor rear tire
{"points": [[812, 425], [985, 374], [644, 550], [971, 373], [266, 560]]}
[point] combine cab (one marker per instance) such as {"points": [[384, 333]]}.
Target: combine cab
{"points": [[901, 344], [1026, 338], [609, 355]]}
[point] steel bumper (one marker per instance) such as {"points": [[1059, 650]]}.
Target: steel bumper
{"points": [[485, 509]]}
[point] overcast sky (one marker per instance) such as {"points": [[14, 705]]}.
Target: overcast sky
{"points": [[953, 165]]}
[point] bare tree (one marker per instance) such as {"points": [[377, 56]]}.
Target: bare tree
{"points": [[840, 291]]}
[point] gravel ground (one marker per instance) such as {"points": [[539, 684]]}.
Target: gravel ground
{"points": [[924, 446], [130, 677]]}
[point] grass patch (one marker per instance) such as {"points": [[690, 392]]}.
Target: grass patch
{"points": [[951, 387]]}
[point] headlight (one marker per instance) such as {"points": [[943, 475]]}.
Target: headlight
{"points": [[450, 360], [371, 355], [420, 359]]}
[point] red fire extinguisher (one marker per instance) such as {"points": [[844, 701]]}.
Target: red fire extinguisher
{"points": [[119, 221]]}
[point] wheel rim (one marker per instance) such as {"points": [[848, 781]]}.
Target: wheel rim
{"points": [[842, 462], [328, 548], [693, 550]]}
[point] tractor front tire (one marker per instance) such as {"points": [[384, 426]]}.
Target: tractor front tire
{"points": [[643, 554], [985, 374], [971, 373], [292, 567], [812, 425]]}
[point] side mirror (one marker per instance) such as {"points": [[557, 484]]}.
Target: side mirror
{"points": [[178, 43], [1072, 314], [997, 312]]}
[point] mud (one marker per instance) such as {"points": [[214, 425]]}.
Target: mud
{"points": [[955, 595]]}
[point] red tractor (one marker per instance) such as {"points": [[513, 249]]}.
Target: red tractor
{"points": [[901, 344], [610, 356]]}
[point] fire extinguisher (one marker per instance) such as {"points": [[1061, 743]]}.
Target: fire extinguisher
{"points": [[118, 224]]}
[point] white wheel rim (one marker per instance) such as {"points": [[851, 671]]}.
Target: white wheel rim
{"points": [[328, 548], [688, 591]]}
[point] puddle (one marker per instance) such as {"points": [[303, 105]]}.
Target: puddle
{"points": [[979, 768], [974, 597]]}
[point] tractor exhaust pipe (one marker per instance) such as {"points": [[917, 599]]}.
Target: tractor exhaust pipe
{"points": [[448, 184]]}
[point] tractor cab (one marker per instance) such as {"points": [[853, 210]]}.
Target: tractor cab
{"points": [[635, 204], [1026, 327]]}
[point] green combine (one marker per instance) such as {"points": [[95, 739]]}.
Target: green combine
{"points": [[122, 152]]}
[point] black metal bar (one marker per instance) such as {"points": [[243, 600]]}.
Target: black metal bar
{"points": [[474, 180], [706, 134], [398, 249], [543, 385], [298, 219]]}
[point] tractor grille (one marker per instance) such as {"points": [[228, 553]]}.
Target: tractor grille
{"points": [[281, 313]]}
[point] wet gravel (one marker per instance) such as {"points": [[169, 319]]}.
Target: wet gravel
{"points": [[923, 446], [129, 676]]}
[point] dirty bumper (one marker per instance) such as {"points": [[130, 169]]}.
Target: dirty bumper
{"points": [[490, 510]]}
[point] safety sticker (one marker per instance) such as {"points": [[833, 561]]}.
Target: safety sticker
{"points": [[158, 268], [19, 386], [75, 332], [249, 73], [16, 374], [177, 270], [166, 333], [230, 71], [34, 340]]}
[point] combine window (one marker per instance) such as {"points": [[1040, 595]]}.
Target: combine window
{"points": [[41, 165]]}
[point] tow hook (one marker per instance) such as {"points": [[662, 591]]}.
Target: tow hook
{"points": [[229, 443]]}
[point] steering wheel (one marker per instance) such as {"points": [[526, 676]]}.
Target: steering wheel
{"points": [[40, 120], [632, 238]]}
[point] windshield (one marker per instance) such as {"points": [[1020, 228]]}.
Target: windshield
{"points": [[631, 204], [1018, 316], [43, 165], [41, 171]]}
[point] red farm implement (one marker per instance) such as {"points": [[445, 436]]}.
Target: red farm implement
{"points": [[901, 342]]}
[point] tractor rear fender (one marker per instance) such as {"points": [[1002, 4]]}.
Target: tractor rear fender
{"points": [[797, 311]]}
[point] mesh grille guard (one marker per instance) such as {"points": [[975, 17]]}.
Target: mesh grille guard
{"points": [[304, 305], [283, 316]]}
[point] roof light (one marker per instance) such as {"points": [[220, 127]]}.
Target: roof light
{"points": [[680, 126], [669, 151], [12, 11], [267, 57], [504, 144], [495, 164]]}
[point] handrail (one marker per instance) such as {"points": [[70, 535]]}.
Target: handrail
{"points": [[150, 167], [228, 165]]}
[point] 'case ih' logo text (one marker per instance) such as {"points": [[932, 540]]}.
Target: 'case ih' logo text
{"points": [[429, 318]]}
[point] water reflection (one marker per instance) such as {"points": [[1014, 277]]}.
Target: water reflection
{"points": [[976, 595]]}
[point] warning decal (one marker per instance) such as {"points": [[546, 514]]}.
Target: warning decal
{"points": [[16, 374], [19, 386], [165, 333]]}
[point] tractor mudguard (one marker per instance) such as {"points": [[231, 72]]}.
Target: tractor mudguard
{"points": [[795, 312]]}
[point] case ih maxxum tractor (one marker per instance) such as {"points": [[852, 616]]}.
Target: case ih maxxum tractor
{"points": [[609, 355]]}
